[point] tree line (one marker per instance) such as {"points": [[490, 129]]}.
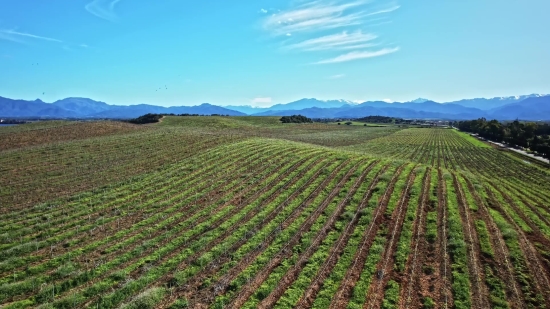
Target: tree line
{"points": [[533, 136]]}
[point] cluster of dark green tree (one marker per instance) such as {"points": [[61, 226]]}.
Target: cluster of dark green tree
{"points": [[530, 135], [295, 119], [147, 118]]}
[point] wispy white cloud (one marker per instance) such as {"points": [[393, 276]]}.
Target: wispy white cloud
{"points": [[13, 35], [311, 25], [388, 10], [261, 101], [337, 76], [12, 38], [84, 45], [104, 9], [342, 40], [314, 16], [263, 11], [355, 55]]}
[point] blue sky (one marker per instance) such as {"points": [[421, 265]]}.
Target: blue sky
{"points": [[265, 52]]}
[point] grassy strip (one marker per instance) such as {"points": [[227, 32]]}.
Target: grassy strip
{"points": [[457, 249], [400, 185], [359, 295], [484, 239], [391, 296], [404, 244], [471, 140], [497, 294]]}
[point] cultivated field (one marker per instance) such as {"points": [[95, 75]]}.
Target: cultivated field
{"points": [[245, 212]]}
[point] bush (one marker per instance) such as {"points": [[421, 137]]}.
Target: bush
{"points": [[295, 119], [428, 303], [391, 298], [180, 304], [146, 299]]}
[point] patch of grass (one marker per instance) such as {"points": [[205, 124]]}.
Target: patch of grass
{"points": [[391, 297], [147, 299], [484, 239]]}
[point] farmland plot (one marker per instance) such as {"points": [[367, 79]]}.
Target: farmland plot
{"points": [[244, 212]]}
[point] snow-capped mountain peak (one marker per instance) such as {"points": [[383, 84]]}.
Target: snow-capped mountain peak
{"points": [[419, 100]]}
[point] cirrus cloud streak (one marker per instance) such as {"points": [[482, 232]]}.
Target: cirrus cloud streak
{"points": [[342, 40], [104, 9], [355, 55]]}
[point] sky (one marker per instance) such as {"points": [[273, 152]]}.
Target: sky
{"points": [[265, 52]]}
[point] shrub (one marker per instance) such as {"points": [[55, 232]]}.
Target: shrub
{"points": [[180, 304], [146, 299], [428, 303], [295, 119]]}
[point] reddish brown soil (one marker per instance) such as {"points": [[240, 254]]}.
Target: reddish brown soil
{"points": [[316, 284], [385, 268], [237, 200], [532, 257], [285, 253], [68, 132], [480, 295], [411, 277], [500, 263], [294, 272], [442, 284], [341, 299], [193, 285]]}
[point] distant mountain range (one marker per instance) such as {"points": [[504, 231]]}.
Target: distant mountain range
{"points": [[488, 104], [87, 108], [525, 107], [296, 105]]}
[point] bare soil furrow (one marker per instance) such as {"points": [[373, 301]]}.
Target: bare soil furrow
{"points": [[345, 290]]}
